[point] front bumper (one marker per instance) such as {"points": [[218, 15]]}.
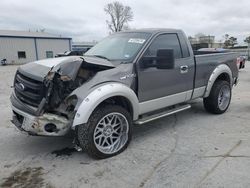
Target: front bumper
{"points": [[43, 125]]}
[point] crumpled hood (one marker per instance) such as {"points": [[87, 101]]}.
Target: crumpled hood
{"points": [[65, 65]]}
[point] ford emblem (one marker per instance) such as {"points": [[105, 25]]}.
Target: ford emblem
{"points": [[21, 86]]}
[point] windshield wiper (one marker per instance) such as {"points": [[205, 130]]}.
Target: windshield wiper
{"points": [[103, 57]]}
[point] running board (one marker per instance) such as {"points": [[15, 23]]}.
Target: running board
{"points": [[162, 114]]}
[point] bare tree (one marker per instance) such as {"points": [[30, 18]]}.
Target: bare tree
{"points": [[226, 36], [230, 41], [119, 14], [247, 40]]}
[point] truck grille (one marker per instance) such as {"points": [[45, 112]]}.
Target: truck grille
{"points": [[28, 90]]}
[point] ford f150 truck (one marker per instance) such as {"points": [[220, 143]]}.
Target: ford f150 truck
{"points": [[129, 78]]}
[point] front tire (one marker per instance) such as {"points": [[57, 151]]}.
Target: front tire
{"points": [[219, 99], [107, 133]]}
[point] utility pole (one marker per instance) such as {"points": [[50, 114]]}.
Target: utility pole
{"points": [[248, 58], [209, 46]]}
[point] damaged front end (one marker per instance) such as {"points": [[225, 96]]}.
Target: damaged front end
{"points": [[45, 106]]}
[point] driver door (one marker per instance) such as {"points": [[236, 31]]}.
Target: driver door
{"points": [[159, 88]]}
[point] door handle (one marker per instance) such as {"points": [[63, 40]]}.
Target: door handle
{"points": [[184, 69]]}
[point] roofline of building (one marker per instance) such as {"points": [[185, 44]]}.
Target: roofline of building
{"points": [[10, 36]]}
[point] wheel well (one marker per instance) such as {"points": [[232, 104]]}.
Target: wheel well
{"points": [[121, 101], [225, 77]]}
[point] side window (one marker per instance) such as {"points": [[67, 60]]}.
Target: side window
{"points": [[49, 54], [165, 41], [184, 46]]}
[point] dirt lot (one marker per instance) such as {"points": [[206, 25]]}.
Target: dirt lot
{"points": [[190, 149]]}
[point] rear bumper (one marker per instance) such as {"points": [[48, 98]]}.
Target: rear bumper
{"points": [[43, 125]]}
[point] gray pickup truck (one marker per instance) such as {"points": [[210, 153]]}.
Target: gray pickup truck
{"points": [[128, 78]]}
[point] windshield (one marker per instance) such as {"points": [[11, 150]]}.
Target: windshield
{"points": [[120, 46]]}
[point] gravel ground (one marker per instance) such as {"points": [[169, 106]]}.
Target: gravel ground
{"points": [[189, 149]]}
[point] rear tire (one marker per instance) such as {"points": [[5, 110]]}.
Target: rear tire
{"points": [[219, 99], [107, 133]]}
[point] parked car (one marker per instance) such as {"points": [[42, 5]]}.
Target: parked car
{"points": [[241, 61], [131, 77], [4, 62], [211, 50]]}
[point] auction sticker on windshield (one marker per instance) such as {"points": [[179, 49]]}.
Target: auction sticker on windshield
{"points": [[136, 40]]}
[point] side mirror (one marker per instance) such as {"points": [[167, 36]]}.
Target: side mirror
{"points": [[165, 59]]}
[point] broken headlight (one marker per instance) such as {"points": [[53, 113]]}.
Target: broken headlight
{"points": [[71, 102]]}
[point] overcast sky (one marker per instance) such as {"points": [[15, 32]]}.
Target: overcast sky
{"points": [[84, 20]]}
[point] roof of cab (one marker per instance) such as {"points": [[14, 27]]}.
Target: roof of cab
{"points": [[155, 30]]}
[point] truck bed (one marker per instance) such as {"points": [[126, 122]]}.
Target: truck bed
{"points": [[207, 62]]}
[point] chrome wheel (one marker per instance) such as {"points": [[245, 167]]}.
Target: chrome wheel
{"points": [[111, 133], [224, 97]]}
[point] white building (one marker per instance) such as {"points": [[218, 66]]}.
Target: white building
{"points": [[25, 46]]}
